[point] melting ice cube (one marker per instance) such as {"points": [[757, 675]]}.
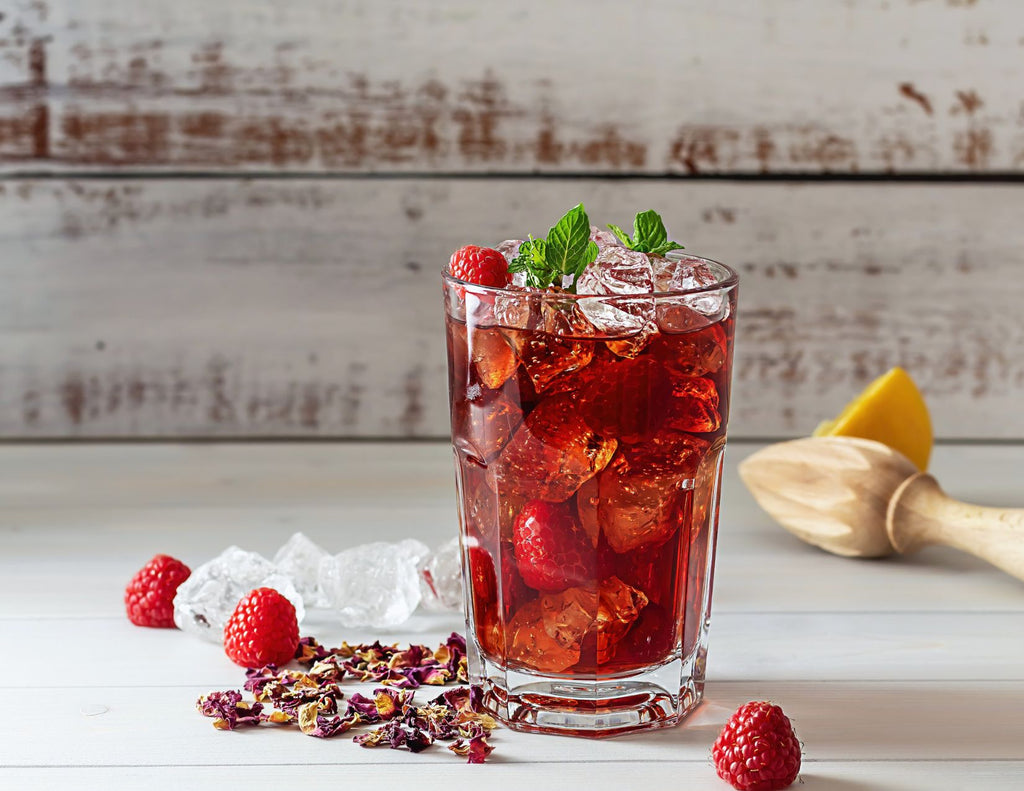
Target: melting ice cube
{"points": [[374, 584], [441, 577], [205, 601], [299, 559]]}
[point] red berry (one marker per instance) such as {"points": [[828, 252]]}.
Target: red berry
{"points": [[757, 749], [480, 265], [149, 597], [262, 630], [552, 551], [514, 590], [483, 582]]}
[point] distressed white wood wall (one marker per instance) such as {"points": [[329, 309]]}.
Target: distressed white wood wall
{"points": [[226, 219]]}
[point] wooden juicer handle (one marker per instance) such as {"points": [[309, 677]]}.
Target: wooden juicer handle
{"points": [[921, 514]]}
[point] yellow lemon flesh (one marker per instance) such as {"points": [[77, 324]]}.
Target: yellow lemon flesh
{"points": [[891, 411]]}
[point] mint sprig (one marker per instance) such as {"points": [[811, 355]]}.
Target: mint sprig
{"points": [[649, 234], [566, 251]]}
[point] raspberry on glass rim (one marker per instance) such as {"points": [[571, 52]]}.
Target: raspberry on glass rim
{"points": [[481, 265]]}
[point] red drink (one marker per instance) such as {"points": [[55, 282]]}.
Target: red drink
{"points": [[588, 457]]}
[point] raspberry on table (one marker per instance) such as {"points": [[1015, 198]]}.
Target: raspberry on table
{"points": [[757, 749], [149, 597], [262, 630], [551, 549], [481, 265]]}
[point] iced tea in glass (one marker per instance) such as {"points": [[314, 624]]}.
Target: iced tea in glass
{"points": [[588, 432]]}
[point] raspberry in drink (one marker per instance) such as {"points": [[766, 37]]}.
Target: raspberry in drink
{"points": [[589, 404]]}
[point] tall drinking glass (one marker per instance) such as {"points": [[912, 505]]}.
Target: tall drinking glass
{"points": [[588, 434]]}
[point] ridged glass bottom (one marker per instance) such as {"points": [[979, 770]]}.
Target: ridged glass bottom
{"points": [[657, 697]]}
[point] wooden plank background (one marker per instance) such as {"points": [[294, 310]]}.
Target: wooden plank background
{"points": [[226, 219]]}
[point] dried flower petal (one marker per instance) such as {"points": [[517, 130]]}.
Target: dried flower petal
{"points": [[476, 748], [397, 736], [322, 721], [309, 651], [391, 703], [230, 711], [312, 699]]}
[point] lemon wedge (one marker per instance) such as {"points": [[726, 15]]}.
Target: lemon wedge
{"points": [[892, 411]]}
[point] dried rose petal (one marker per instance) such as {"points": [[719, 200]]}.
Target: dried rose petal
{"points": [[386, 704], [309, 651], [397, 736], [231, 712], [318, 720], [312, 699], [474, 746]]}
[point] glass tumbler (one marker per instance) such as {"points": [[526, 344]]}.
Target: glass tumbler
{"points": [[588, 434]]}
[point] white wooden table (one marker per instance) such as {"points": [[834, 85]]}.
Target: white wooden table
{"points": [[898, 674]]}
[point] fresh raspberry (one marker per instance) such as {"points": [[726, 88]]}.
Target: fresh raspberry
{"points": [[480, 265], [262, 630], [514, 590], [483, 580], [149, 597], [757, 749], [552, 551]]}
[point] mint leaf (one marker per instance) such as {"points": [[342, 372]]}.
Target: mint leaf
{"points": [[585, 261], [568, 240], [665, 248], [568, 249], [648, 231], [623, 236], [531, 259], [649, 234], [518, 264]]}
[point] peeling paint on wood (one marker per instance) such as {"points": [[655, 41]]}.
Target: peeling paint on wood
{"points": [[328, 85], [256, 307]]}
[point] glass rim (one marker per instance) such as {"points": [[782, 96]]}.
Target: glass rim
{"points": [[728, 282]]}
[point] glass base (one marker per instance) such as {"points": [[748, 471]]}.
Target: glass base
{"points": [[594, 707]]}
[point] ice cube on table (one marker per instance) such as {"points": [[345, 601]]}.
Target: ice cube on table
{"points": [[299, 558], [618, 272], [206, 600], [441, 578], [375, 584]]}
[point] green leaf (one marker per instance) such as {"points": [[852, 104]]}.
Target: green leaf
{"points": [[588, 258], [568, 241], [648, 231], [531, 259], [623, 236], [666, 247]]}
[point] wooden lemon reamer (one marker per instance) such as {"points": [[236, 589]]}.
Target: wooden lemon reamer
{"points": [[860, 498]]}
